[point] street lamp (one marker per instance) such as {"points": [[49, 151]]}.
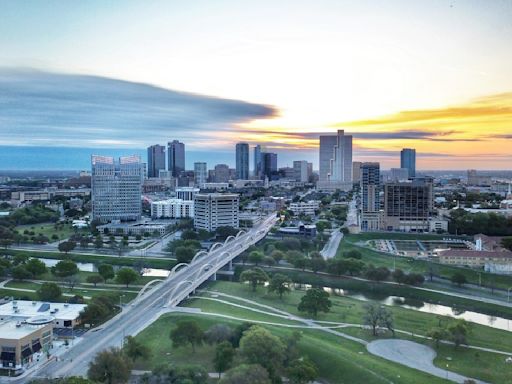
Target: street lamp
{"points": [[508, 294]]}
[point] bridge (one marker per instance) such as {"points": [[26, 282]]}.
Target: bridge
{"points": [[155, 299]]}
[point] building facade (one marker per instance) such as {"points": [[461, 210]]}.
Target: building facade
{"points": [[200, 173], [176, 157], [116, 188], [156, 160], [268, 164], [214, 210], [221, 173], [370, 192], [172, 209], [186, 193], [335, 162], [257, 161], [408, 160], [242, 161]]}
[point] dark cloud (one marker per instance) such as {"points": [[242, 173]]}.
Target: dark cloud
{"points": [[56, 109]]}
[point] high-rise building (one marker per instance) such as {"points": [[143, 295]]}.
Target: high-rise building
{"points": [[116, 188], [257, 161], [186, 193], [408, 205], [268, 164], [399, 174], [200, 173], [370, 192], [221, 173], [242, 161], [156, 160], [214, 210], [356, 172], [302, 170], [327, 144], [175, 157], [408, 160]]}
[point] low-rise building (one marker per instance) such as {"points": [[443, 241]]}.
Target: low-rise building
{"points": [[473, 258], [172, 208], [63, 315], [134, 228], [305, 207]]}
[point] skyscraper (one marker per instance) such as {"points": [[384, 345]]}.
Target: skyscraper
{"points": [[370, 186], [156, 160], [116, 188], [176, 157], [200, 173], [408, 160], [341, 163], [257, 161], [221, 172], [242, 161], [327, 144], [268, 164], [302, 170]]}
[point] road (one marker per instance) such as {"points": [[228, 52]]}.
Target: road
{"points": [[331, 247], [145, 310]]}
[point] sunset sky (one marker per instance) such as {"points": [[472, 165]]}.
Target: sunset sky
{"points": [[433, 75]]}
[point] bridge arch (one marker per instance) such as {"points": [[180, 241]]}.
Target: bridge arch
{"points": [[174, 269], [240, 233], [203, 269], [216, 245], [146, 287], [198, 255], [219, 257], [171, 295], [228, 239]]}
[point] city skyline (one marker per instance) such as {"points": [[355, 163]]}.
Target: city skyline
{"points": [[445, 84]]}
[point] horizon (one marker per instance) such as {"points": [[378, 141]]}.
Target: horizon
{"points": [[261, 75]]}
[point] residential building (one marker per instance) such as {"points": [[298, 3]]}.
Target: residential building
{"points": [[156, 160], [408, 205], [356, 172], [200, 173], [370, 192], [242, 161], [172, 209], [116, 188], [176, 157], [221, 173], [326, 152], [339, 174], [214, 210], [408, 160]]}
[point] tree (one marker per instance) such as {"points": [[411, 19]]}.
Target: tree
{"points": [[67, 246], [189, 234], [259, 346], [184, 254], [256, 257], [302, 371], [459, 331], [280, 284], [315, 300], [224, 355], [135, 349], [437, 334], [317, 264], [459, 278], [246, 374], [187, 332], [377, 274], [126, 276], [36, 267], [277, 256], [255, 276], [218, 333], [20, 273], [65, 268], [99, 309], [376, 316], [94, 279], [110, 367], [506, 242], [49, 292], [399, 276], [98, 242], [106, 271], [84, 242], [353, 254], [224, 232]]}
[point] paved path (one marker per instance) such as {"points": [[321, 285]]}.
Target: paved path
{"points": [[330, 248], [413, 355]]}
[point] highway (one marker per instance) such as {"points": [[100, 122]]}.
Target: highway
{"points": [[143, 311]]}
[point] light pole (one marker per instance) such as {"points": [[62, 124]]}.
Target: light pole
{"points": [[508, 294]]}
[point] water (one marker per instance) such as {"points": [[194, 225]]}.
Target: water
{"points": [[90, 267], [421, 306]]}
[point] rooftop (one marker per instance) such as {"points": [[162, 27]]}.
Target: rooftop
{"points": [[29, 309], [9, 330], [476, 254]]}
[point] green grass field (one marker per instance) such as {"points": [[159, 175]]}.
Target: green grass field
{"points": [[339, 360], [48, 230]]}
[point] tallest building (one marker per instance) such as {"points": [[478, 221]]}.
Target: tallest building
{"points": [[408, 161], [335, 162], [176, 157]]}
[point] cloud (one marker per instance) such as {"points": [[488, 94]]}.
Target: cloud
{"points": [[52, 109]]}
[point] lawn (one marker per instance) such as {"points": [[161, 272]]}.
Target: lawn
{"points": [[48, 230]]}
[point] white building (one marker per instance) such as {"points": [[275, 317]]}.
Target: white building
{"points": [[305, 208], [172, 209], [335, 162], [63, 315], [214, 210], [186, 193]]}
